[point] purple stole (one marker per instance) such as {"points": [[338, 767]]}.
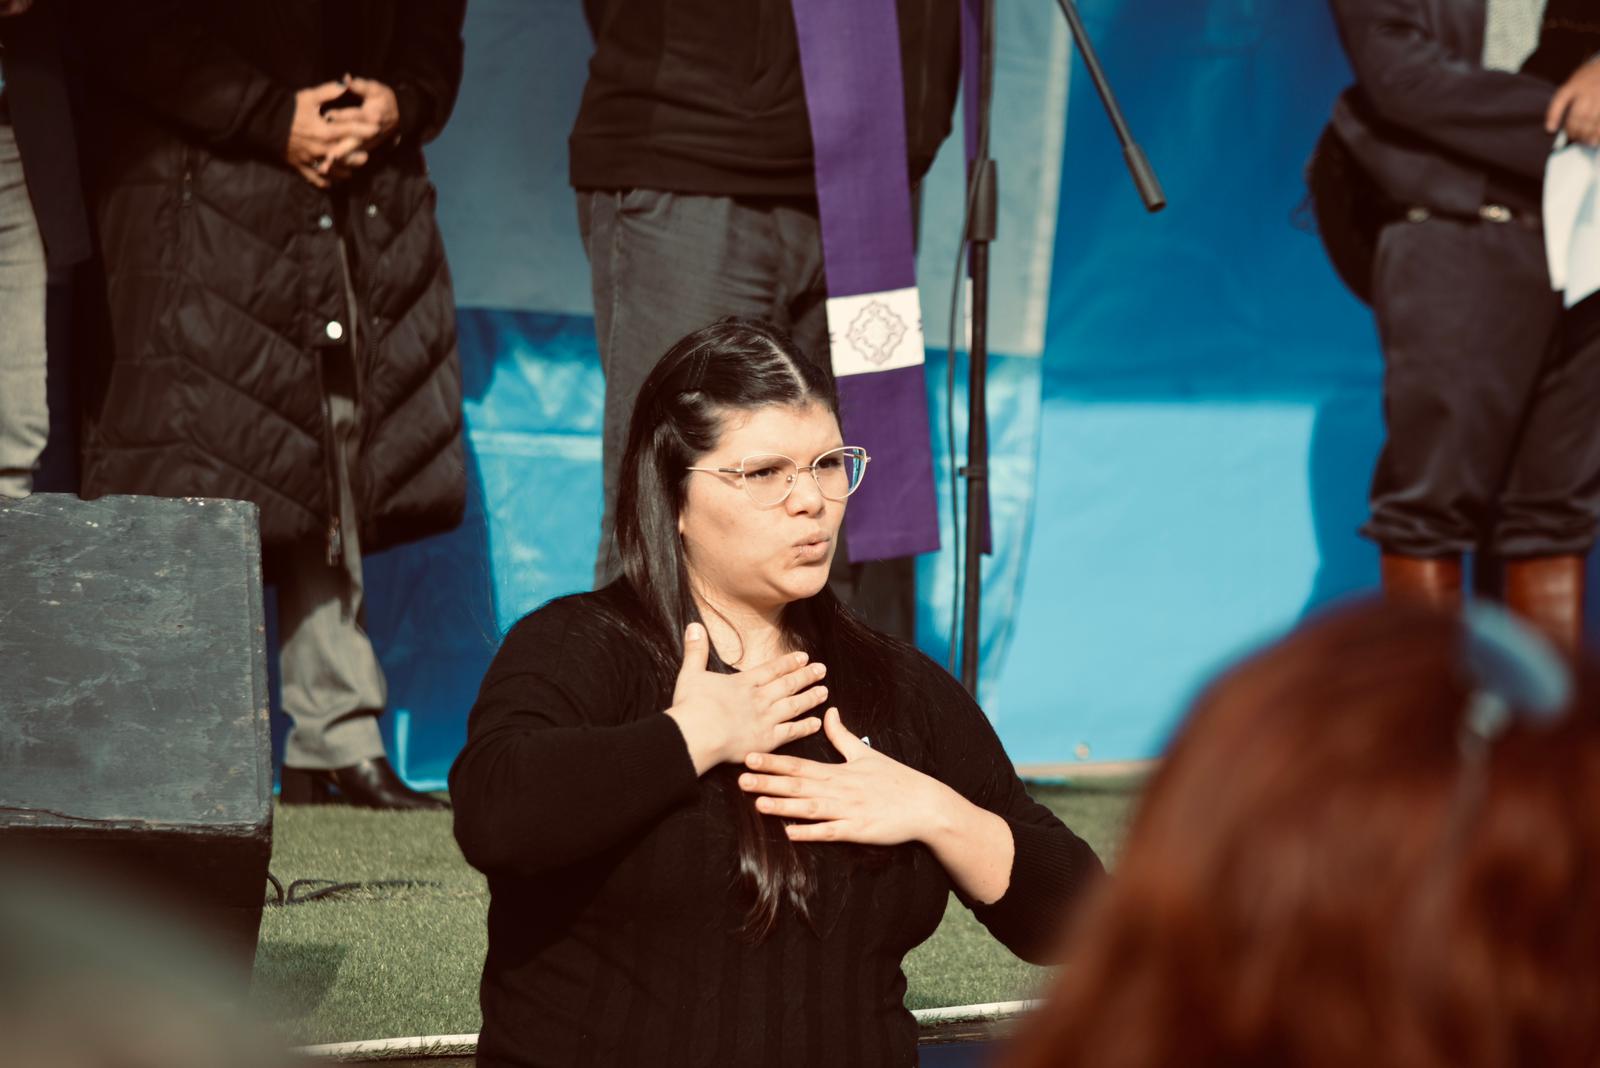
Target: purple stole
{"points": [[850, 60]]}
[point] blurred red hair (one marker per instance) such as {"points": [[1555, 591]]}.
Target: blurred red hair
{"points": [[1291, 894]]}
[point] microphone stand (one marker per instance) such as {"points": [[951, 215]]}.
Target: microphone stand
{"points": [[982, 201]]}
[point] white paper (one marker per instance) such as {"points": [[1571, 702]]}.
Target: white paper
{"points": [[1572, 221]]}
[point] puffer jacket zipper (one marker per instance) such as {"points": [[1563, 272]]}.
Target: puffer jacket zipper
{"points": [[358, 338], [332, 449], [355, 341]]}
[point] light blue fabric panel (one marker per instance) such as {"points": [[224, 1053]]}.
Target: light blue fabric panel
{"points": [[1014, 406], [436, 609], [508, 215], [1029, 125], [1211, 394], [1028, 128], [1171, 535], [1227, 292], [1178, 477]]}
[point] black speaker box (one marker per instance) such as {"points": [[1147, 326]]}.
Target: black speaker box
{"points": [[133, 700]]}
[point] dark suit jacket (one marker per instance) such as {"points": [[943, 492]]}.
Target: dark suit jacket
{"points": [[41, 117], [1571, 38], [1429, 123]]}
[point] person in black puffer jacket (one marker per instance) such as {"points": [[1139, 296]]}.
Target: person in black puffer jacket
{"points": [[279, 324]]}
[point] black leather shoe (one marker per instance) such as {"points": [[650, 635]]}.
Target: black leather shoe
{"points": [[370, 784]]}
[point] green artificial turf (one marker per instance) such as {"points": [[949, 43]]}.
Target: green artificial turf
{"points": [[401, 961]]}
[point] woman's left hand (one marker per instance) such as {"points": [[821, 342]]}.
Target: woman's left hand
{"points": [[870, 798]]}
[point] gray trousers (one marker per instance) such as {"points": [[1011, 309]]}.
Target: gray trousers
{"points": [[665, 264], [333, 688], [24, 417], [1491, 397]]}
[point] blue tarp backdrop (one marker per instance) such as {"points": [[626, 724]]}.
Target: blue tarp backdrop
{"points": [[1184, 406]]}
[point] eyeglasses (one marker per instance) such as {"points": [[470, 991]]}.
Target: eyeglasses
{"points": [[769, 478]]}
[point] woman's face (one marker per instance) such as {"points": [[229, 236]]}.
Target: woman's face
{"points": [[741, 554]]}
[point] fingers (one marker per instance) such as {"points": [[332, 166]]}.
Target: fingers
{"points": [[310, 174], [774, 764], [354, 161], [774, 785], [362, 86], [829, 831], [1584, 126], [848, 744], [696, 649], [790, 707], [357, 129], [339, 156], [1555, 116], [321, 94], [797, 729], [1582, 111], [778, 667], [792, 683], [782, 735], [796, 808]]}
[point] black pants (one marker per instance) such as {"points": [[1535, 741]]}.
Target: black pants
{"points": [[1491, 397], [664, 264]]}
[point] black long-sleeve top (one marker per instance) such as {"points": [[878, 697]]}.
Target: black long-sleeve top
{"points": [[706, 96], [613, 920]]}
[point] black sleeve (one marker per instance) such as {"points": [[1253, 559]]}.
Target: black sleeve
{"points": [[1413, 81], [555, 770], [1052, 867], [425, 65], [161, 53]]}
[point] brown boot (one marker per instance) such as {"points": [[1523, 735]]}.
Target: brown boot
{"points": [[1547, 591], [1431, 580]]}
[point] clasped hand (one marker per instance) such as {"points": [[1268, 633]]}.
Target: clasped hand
{"points": [[724, 718], [325, 147], [871, 799]]}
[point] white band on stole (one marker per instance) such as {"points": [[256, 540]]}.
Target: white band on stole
{"points": [[875, 332]]}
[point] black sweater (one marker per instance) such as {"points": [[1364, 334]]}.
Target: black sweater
{"points": [[613, 920], [706, 96]]}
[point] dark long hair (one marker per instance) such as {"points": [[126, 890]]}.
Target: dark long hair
{"points": [[1288, 895], [733, 365]]}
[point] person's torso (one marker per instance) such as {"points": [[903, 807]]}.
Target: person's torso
{"points": [[1412, 169], [636, 955], [706, 96]]}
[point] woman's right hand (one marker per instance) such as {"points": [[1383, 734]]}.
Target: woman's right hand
{"points": [[725, 718]]}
